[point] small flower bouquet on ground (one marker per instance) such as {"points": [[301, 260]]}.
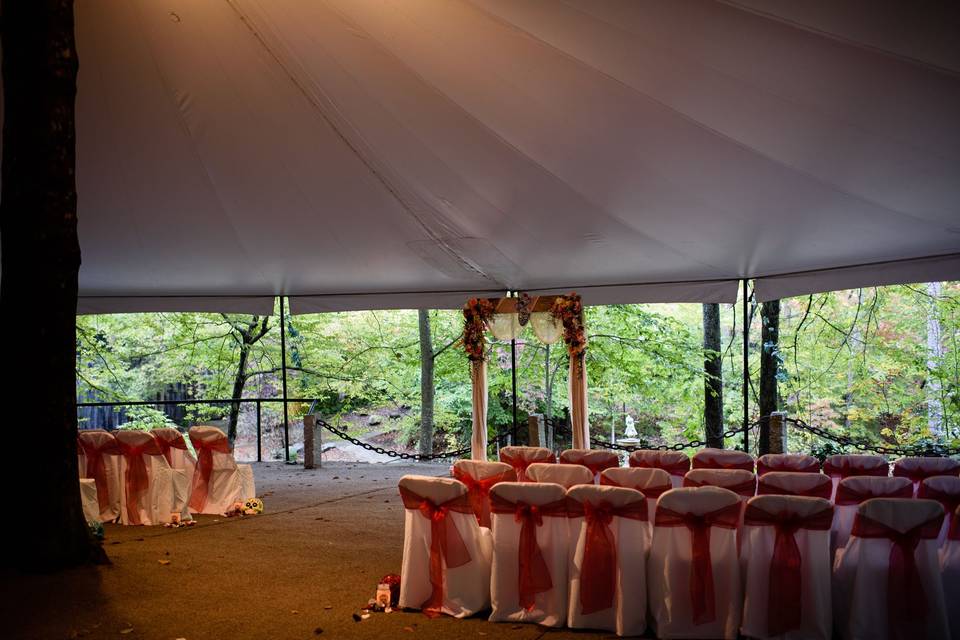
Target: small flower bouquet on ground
{"points": [[249, 507]]}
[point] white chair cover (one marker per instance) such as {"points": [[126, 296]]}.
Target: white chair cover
{"points": [[783, 599], [673, 575], [722, 459], [616, 517], [151, 491], [675, 463], [884, 589], [810, 485], [522, 457], [88, 499], [854, 491], [946, 491], [457, 582], [479, 477], [540, 594], [743, 483], [950, 572], [566, 475], [596, 460], [787, 463], [174, 448], [652, 483], [99, 460], [218, 481], [842, 466], [919, 468]]}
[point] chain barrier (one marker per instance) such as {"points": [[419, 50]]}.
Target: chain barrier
{"points": [[419, 457], [644, 445], [923, 451]]}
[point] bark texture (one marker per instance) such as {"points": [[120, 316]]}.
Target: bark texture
{"points": [[769, 369], [712, 377]]}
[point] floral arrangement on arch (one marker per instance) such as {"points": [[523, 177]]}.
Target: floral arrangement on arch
{"points": [[476, 313], [568, 310]]}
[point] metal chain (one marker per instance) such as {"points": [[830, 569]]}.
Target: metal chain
{"points": [[647, 446], [929, 450], [420, 457]]}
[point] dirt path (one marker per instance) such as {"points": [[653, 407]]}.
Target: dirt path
{"points": [[306, 564]]}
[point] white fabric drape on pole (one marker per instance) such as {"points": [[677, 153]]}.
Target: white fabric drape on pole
{"points": [[577, 387], [478, 381]]}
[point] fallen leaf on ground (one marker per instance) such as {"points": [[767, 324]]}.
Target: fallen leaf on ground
{"points": [[127, 630], [410, 629], [294, 611], [164, 562]]}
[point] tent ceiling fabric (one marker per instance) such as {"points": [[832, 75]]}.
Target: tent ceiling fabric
{"points": [[410, 153]]}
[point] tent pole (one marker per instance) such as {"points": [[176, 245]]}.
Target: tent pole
{"points": [[746, 372], [283, 374], [513, 376]]}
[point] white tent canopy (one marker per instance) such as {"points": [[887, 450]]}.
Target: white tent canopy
{"points": [[410, 153]]}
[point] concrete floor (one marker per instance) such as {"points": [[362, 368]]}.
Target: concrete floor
{"points": [[300, 570]]}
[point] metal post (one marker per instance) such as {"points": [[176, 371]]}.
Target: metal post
{"points": [[259, 440], [513, 375], [746, 372], [283, 369]]}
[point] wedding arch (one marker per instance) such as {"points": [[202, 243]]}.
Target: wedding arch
{"points": [[551, 318]]}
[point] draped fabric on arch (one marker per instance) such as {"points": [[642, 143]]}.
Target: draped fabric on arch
{"points": [[551, 318]]}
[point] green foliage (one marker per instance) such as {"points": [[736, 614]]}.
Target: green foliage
{"points": [[145, 419]]}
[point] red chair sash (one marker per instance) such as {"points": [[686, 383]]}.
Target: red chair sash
{"points": [[713, 463], [822, 490], [919, 475], [847, 469], [596, 467], [747, 488], [702, 597], [96, 467], [168, 441], [598, 575], [950, 501], [811, 466], [479, 492], [651, 493], [784, 590], [534, 575], [678, 468], [446, 544], [520, 464], [201, 476], [847, 496], [136, 478], [906, 600]]}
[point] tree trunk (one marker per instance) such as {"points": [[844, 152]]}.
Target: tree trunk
{"points": [[239, 382], [934, 360], [426, 383], [40, 264], [547, 399], [769, 368], [712, 376]]}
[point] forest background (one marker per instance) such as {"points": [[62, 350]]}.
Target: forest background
{"points": [[880, 364]]}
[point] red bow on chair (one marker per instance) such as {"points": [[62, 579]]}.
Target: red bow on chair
{"points": [[847, 496], [533, 573], [598, 575], [950, 501], [136, 478], [786, 579], [96, 468], [168, 440], [479, 492], [906, 600], [201, 477], [678, 468], [520, 464], [702, 597], [446, 546]]}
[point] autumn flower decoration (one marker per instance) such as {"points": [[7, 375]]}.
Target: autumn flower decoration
{"points": [[568, 310], [476, 313]]}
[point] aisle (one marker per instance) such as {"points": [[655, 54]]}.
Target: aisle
{"points": [[307, 563]]}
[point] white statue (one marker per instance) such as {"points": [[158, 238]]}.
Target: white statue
{"points": [[630, 431]]}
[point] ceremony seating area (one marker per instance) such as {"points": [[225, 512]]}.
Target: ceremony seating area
{"points": [[151, 478], [781, 546]]}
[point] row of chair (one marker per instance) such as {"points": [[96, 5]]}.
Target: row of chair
{"points": [[678, 463], [697, 561], [144, 477]]}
